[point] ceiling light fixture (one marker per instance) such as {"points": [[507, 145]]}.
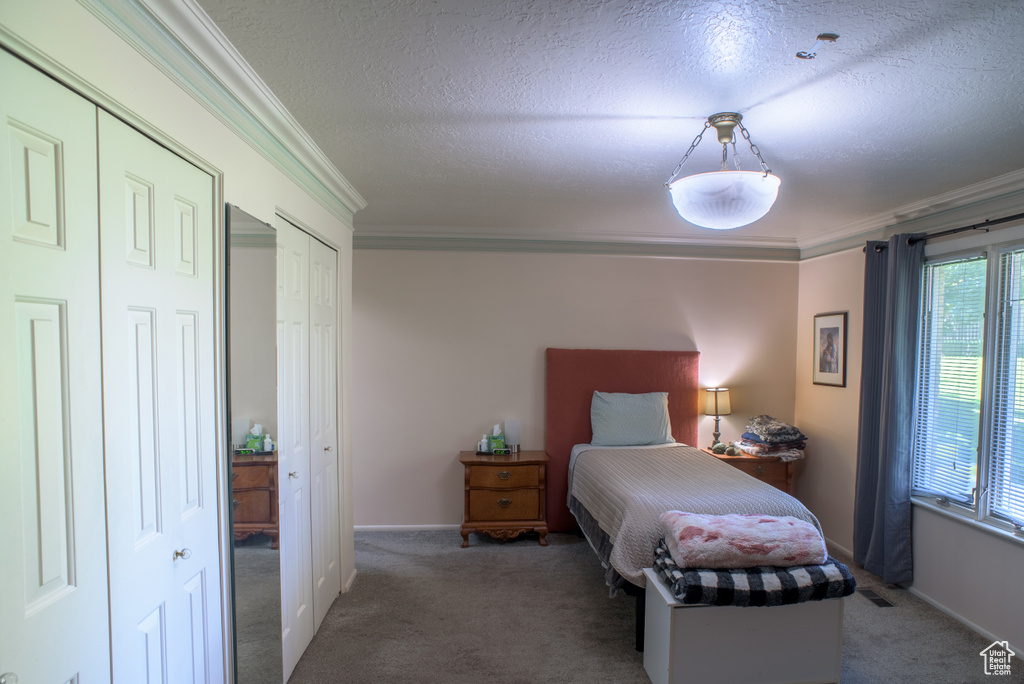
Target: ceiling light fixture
{"points": [[724, 199], [822, 39]]}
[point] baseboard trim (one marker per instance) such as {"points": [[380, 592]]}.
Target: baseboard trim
{"points": [[833, 545], [404, 528], [960, 618], [347, 584]]}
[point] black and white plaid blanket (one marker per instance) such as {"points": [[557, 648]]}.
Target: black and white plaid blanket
{"points": [[757, 586]]}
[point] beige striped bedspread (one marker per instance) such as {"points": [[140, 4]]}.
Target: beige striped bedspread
{"points": [[627, 490]]}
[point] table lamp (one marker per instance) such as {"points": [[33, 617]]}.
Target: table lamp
{"points": [[717, 405]]}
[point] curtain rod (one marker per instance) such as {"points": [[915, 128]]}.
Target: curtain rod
{"points": [[952, 231]]}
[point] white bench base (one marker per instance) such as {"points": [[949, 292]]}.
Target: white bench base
{"points": [[796, 644]]}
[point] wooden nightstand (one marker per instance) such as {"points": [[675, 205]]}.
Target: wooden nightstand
{"points": [[504, 495], [254, 495], [768, 469]]}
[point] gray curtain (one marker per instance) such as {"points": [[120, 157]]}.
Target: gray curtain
{"points": [[882, 510]]}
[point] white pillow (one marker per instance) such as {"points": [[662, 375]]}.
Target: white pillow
{"points": [[621, 419]]}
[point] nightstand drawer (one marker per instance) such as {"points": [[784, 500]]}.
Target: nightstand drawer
{"points": [[504, 476], [773, 473], [510, 504], [247, 476]]}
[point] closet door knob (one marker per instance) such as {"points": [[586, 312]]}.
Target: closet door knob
{"points": [[8, 678], [294, 474], [327, 448], [184, 554]]}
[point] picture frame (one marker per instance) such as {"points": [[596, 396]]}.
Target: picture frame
{"points": [[830, 349]]}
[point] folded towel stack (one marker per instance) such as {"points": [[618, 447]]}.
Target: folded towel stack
{"points": [[766, 436], [757, 586]]}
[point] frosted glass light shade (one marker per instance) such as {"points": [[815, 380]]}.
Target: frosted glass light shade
{"points": [[512, 431], [724, 199]]}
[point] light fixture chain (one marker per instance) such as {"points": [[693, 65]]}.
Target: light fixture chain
{"points": [[753, 148], [693, 146]]}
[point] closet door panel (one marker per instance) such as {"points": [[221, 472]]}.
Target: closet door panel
{"points": [[323, 411], [157, 234], [294, 442], [53, 612]]}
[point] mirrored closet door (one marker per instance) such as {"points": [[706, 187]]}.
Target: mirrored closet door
{"points": [[252, 354], [283, 350]]}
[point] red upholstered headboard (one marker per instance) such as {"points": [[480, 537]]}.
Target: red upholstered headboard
{"points": [[572, 377]]}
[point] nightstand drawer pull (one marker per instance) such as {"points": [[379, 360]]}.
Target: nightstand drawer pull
{"points": [[504, 475], [760, 470], [504, 503]]}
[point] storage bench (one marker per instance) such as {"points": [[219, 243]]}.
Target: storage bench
{"points": [[791, 644]]}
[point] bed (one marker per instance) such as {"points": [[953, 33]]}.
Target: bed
{"points": [[615, 496], [618, 493]]}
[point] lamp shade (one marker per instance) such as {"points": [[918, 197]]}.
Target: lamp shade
{"points": [[717, 401], [724, 199], [512, 434]]}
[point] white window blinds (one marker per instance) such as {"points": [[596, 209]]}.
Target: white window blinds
{"points": [[949, 380], [1006, 461]]}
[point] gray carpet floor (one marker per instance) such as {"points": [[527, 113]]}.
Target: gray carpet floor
{"points": [[424, 610], [258, 611]]}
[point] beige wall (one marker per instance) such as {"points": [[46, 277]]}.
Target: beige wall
{"points": [[957, 566], [448, 344], [971, 574], [829, 415], [253, 326]]}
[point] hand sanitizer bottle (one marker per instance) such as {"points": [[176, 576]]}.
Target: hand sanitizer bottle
{"points": [[482, 446]]}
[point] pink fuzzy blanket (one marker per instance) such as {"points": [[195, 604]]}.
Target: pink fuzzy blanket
{"points": [[741, 541]]}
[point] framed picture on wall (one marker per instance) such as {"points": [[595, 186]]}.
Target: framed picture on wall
{"points": [[830, 349]]}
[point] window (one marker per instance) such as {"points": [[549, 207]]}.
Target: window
{"points": [[969, 421]]}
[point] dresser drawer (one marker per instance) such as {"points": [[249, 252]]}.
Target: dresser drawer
{"points": [[504, 476], [253, 506], [248, 476], [509, 504]]}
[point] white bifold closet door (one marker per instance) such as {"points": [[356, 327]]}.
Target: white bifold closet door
{"points": [[160, 411], [323, 427], [297, 625], [108, 492], [53, 565], [307, 350]]}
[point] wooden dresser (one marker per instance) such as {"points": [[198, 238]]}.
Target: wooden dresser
{"points": [[254, 496], [504, 495], [768, 469]]}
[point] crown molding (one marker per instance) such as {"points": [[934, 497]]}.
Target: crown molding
{"points": [[933, 213], [184, 43], [548, 246], [653, 244]]}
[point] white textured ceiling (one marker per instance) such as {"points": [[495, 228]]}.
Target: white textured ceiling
{"points": [[562, 119]]}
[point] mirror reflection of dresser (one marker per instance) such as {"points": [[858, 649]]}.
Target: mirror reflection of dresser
{"points": [[254, 496]]}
